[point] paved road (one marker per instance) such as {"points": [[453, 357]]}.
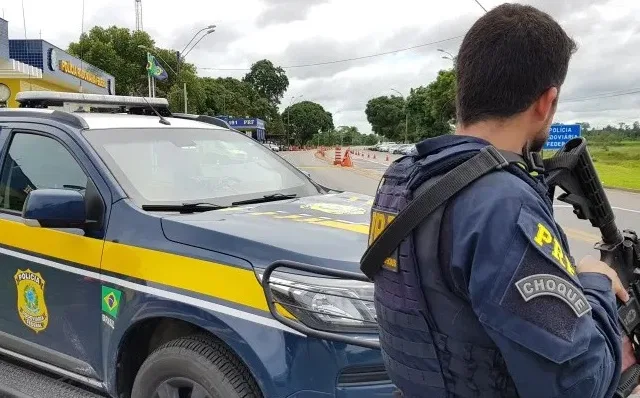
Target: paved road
{"points": [[365, 176]]}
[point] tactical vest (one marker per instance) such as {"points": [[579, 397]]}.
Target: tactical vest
{"points": [[422, 356]]}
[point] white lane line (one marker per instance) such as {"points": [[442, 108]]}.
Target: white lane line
{"points": [[613, 207], [372, 161]]}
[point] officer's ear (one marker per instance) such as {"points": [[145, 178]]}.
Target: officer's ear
{"points": [[545, 106]]}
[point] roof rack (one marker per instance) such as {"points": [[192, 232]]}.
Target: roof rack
{"points": [[121, 103]]}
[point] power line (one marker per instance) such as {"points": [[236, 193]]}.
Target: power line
{"points": [[348, 59], [610, 94], [481, 6]]}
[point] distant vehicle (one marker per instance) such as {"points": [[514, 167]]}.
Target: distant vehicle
{"points": [[272, 146], [134, 247], [385, 146], [399, 148], [408, 149]]}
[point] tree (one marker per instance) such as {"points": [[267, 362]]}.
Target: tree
{"points": [[306, 118], [116, 51], [270, 82], [441, 97], [386, 116]]}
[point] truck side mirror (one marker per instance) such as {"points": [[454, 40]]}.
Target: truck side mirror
{"points": [[54, 208]]}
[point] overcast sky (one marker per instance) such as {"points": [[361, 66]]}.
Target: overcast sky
{"points": [[299, 32]]}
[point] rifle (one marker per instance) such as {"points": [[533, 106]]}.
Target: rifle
{"points": [[572, 169]]}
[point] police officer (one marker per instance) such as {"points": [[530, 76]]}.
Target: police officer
{"points": [[483, 298]]}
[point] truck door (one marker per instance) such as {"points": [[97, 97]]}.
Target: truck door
{"points": [[49, 278]]}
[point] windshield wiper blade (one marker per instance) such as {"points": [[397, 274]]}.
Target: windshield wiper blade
{"points": [[265, 198], [185, 207]]}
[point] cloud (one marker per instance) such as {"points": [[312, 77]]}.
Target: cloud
{"points": [[295, 32], [285, 11]]}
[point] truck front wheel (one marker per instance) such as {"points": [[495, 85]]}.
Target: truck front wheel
{"points": [[194, 367]]}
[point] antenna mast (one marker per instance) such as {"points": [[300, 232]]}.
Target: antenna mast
{"points": [[139, 15]]}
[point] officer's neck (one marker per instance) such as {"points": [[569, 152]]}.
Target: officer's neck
{"points": [[505, 135]]}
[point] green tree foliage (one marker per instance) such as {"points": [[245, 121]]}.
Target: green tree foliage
{"points": [[233, 97], [116, 51], [386, 116], [269, 81], [348, 135], [431, 110], [611, 134], [306, 118]]}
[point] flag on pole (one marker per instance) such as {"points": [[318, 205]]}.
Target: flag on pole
{"points": [[154, 69]]}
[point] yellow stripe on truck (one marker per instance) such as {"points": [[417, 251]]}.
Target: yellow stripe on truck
{"points": [[53, 243], [213, 279], [199, 276]]}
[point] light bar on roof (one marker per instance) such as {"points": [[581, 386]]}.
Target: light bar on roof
{"points": [[53, 97]]}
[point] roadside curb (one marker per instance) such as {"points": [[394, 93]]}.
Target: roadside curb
{"points": [[630, 190]]}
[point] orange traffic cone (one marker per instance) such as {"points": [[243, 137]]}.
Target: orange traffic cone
{"points": [[346, 162]]}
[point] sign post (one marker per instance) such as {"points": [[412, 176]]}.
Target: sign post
{"points": [[560, 134]]}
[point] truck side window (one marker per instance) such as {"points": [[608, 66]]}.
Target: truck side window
{"points": [[33, 162]]}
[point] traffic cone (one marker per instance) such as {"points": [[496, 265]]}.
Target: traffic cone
{"points": [[346, 162]]}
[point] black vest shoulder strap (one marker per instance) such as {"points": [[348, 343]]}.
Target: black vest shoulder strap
{"points": [[488, 159]]}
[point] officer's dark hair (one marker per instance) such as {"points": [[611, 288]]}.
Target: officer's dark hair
{"points": [[507, 60]]}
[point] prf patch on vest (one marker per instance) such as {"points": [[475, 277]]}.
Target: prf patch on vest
{"points": [[379, 221], [544, 240], [538, 285]]}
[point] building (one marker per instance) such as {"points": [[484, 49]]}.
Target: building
{"points": [[252, 127], [34, 65]]}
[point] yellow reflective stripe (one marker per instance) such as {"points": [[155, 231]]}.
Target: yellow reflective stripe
{"points": [[50, 242], [225, 282], [363, 229], [199, 276]]}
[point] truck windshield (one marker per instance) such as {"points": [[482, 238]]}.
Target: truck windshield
{"points": [[178, 165]]}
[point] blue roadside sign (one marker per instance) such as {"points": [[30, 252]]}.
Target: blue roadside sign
{"points": [[560, 134]]}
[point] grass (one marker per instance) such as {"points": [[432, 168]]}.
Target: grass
{"points": [[617, 164]]}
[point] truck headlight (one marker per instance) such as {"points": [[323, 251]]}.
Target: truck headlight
{"points": [[327, 304]]}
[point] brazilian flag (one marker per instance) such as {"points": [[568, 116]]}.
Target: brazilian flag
{"points": [[154, 69]]}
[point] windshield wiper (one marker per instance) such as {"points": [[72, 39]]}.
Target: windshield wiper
{"points": [[185, 207], [265, 198]]}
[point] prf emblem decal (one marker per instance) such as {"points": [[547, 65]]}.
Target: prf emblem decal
{"points": [[32, 307], [550, 285], [379, 221]]}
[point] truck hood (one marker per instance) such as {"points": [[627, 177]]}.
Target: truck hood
{"points": [[326, 230]]}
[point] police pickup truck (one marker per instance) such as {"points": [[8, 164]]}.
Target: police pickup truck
{"points": [[132, 247]]}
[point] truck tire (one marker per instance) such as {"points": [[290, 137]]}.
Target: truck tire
{"points": [[194, 366]]}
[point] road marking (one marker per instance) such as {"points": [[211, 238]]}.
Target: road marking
{"points": [[581, 235], [613, 207], [373, 161]]}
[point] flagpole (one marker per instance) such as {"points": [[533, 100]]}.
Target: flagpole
{"points": [[148, 74]]}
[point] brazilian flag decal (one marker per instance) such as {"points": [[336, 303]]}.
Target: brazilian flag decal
{"points": [[110, 301]]}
